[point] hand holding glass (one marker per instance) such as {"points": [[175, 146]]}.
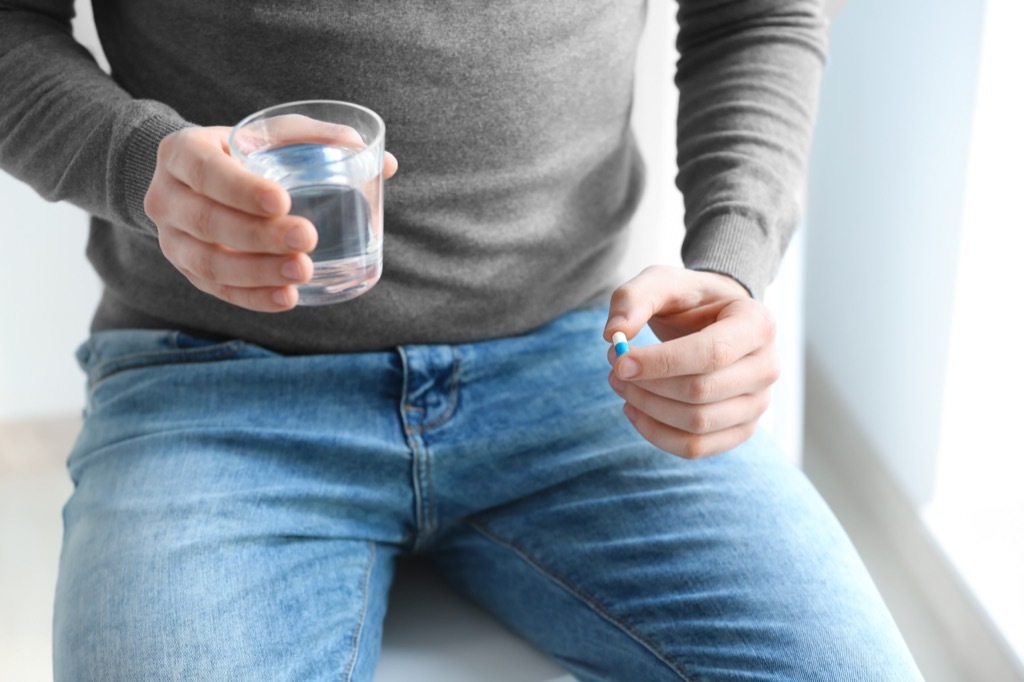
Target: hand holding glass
{"points": [[329, 156]]}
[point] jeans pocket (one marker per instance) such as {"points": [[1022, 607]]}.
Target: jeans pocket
{"points": [[109, 353]]}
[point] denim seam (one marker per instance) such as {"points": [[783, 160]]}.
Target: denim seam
{"points": [[423, 490], [422, 485], [417, 448], [588, 601], [450, 407], [431, 524], [362, 612]]}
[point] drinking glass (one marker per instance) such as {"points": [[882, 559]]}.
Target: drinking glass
{"points": [[329, 156]]}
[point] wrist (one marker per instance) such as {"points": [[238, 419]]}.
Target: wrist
{"points": [[730, 283]]}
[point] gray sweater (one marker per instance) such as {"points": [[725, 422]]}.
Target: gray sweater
{"points": [[510, 120]]}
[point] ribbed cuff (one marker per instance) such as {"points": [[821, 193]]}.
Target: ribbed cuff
{"points": [[138, 163], [737, 246]]}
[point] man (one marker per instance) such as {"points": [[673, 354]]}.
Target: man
{"points": [[249, 470]]}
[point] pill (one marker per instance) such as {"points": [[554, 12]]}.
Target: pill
{"points": [[621, 346]]}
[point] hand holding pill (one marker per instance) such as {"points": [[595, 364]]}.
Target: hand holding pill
{"points": [[701, 390]]}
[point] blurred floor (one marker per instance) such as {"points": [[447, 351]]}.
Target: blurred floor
{"points": [[33, 488]]}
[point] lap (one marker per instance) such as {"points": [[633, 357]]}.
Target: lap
{"points": [[237, 514]]}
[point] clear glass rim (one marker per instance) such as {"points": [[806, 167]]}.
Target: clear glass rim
{"points": [[265, 113]]}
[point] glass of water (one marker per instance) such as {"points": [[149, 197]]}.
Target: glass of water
{"points": [[329, 156]]}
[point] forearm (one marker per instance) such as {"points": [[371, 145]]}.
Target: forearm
{"points": [[748, 76], [66, 128]]}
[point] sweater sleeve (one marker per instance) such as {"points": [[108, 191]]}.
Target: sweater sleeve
{"points": [[748, 78], [66, 128]]}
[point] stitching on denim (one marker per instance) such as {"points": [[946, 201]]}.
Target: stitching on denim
{"points": [[412, 441], [417, 487], [453, 398], [424, 489], [583, 597], [362, 611], [422, 499], [432, 496]]}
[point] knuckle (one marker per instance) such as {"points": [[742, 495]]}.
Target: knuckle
{"points": [[153, 204], [223, 292], [640, 400], [239, 296], [202, 220], [634, 289], [694, 448], [659, 365], [246, 298], [200, 284], [747, 431], [768, 325], [720, 355], [171, 247], [172, 148], [700, 421], [762, 402], [193, 280], [163, 238], [623, 294], [350, 134], [656, 270], [206, 268], [701, 389], [165, 149], [196, 172]]}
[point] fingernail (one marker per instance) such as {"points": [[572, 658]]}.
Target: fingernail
{"points": [[295, 238], [292, 271], [615, 323], [280, 297], [617, 383], [628, 368], [630, 412], [270, 202]]}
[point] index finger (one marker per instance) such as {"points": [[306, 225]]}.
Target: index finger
{"points": [[199, 158], [740, 330], [658, 289]]}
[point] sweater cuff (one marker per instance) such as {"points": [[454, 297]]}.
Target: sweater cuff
{"points": [[138, 163], [737, 246]]}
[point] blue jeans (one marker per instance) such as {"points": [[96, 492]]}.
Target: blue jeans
{"points": [[237, 515]]}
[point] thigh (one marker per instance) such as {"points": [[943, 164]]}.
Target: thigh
{"points": [[210, 538], [727, 569]]}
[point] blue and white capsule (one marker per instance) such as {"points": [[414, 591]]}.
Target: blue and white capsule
{"points": [[621, 345]]}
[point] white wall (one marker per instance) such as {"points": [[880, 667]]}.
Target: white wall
{"points": [[49, 295], [886, 190], [977, 511], [50, 292], [915, 240]]}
